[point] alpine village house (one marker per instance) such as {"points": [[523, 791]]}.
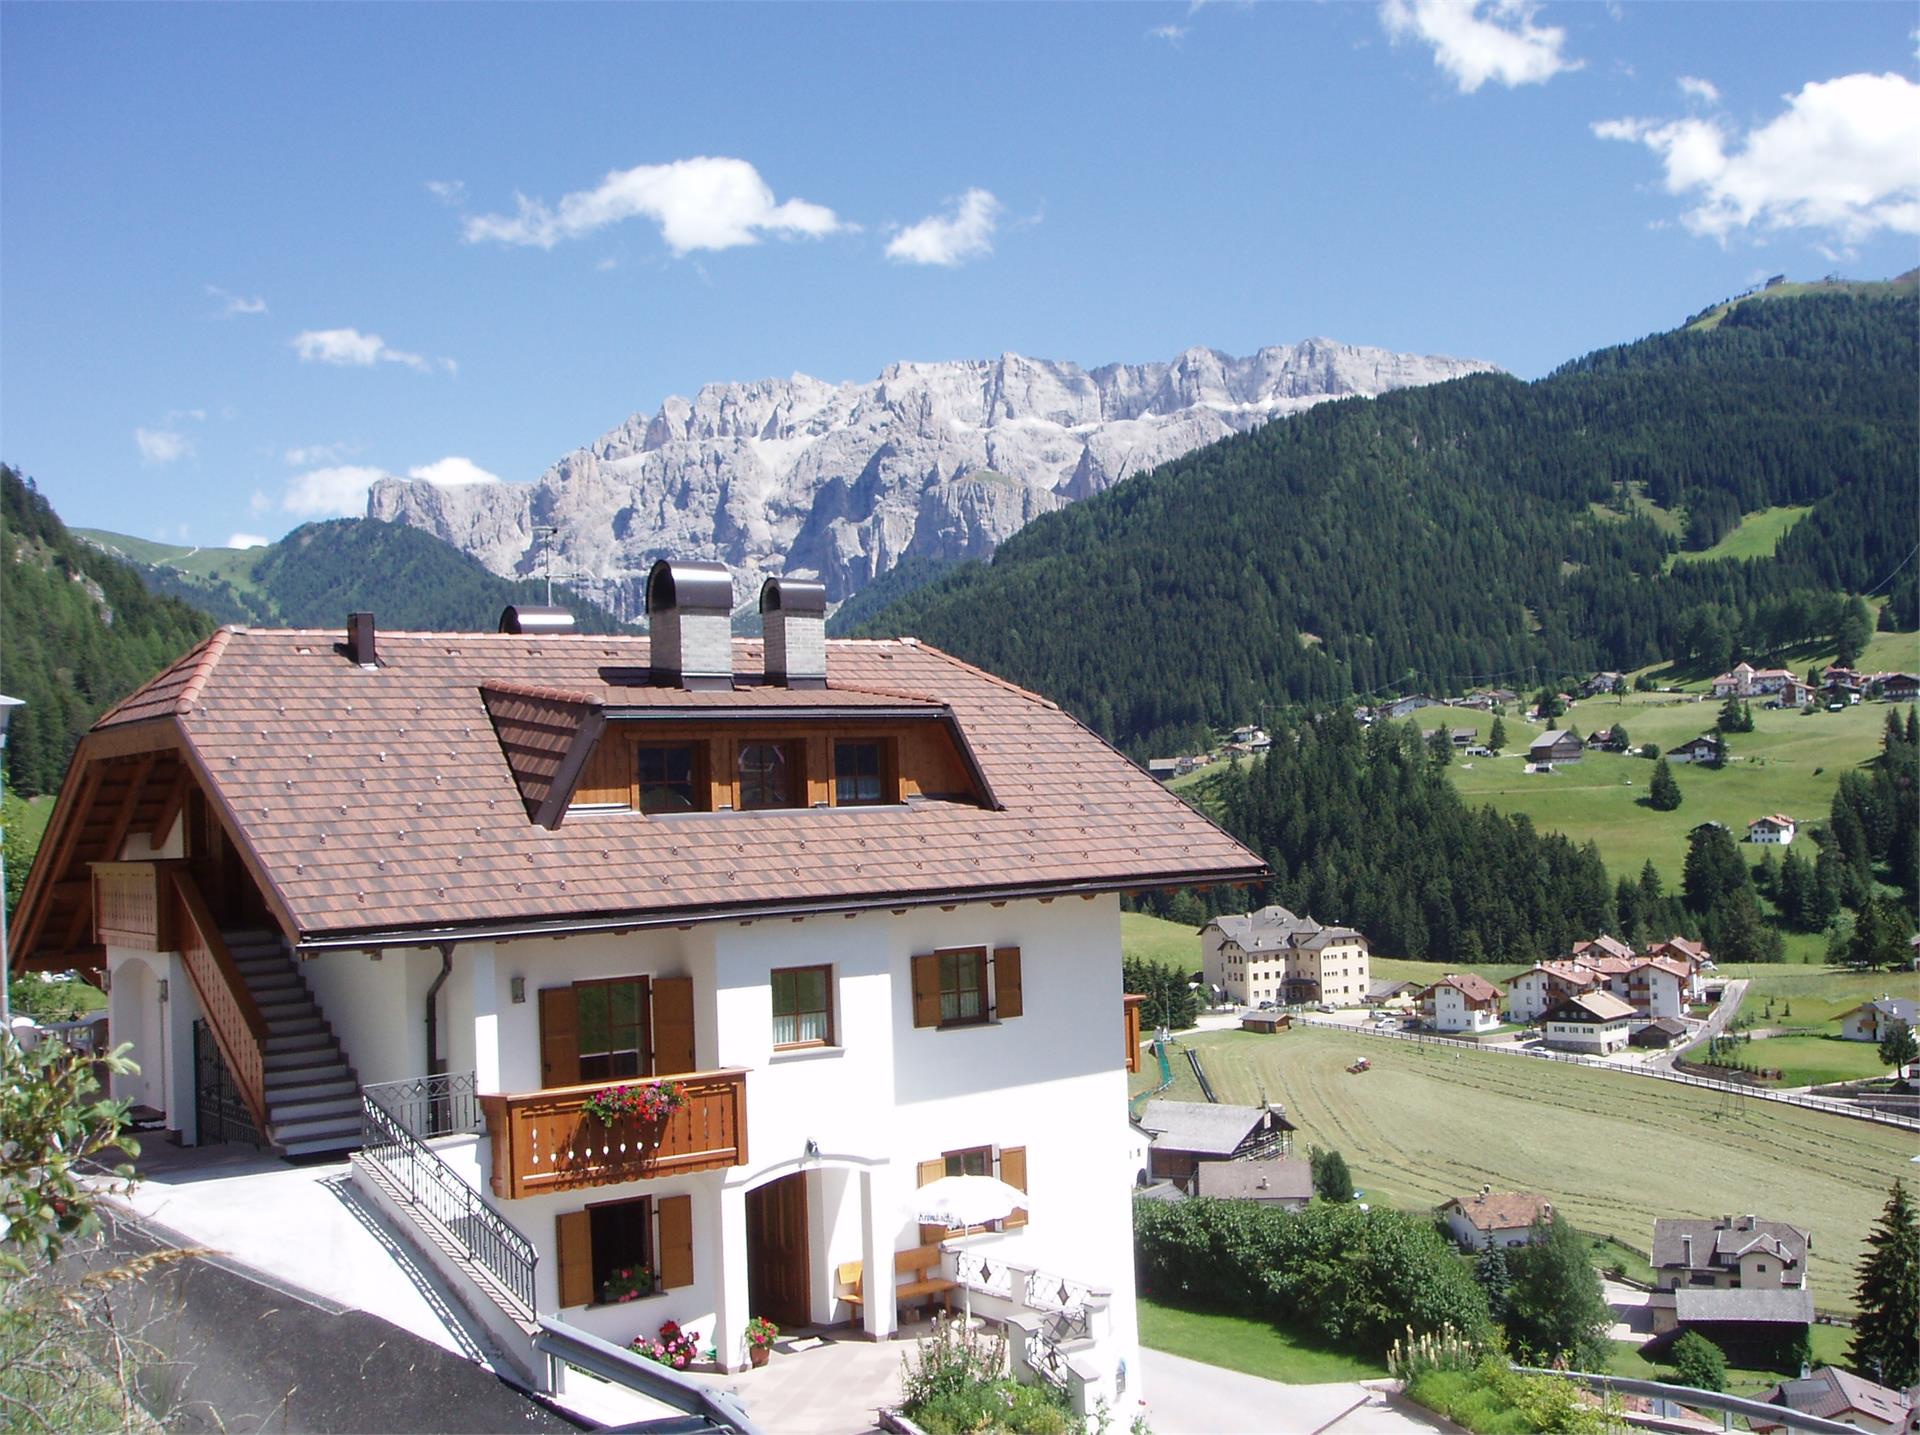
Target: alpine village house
{"points": [[829, 919]]}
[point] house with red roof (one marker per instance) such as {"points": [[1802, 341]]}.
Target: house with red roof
{"points": [[683, 959], [1462, 1002]]}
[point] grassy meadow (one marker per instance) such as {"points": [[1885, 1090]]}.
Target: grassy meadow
{"points": [[1753, 537], [1235, 1342], [1613, 1152]]}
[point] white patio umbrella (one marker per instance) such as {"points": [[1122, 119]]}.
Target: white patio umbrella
{"points": [[965, 1201]]}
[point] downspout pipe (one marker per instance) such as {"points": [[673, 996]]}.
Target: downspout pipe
{"points": [[436, 1063]]}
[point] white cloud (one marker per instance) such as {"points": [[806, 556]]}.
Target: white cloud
{"points": [[448, 191], [1843, 158], [1479, 40], [162, 445], [247, 540], [1172, 34], [453, 472], [965, 232], [232, 305], [260, 502], [354, 349], [1695, 88], [330, 492], [704, 203]]}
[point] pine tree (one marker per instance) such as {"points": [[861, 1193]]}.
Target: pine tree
{"points": [[1850, 637], [1886, 1332], [1331, 1179], [1496, 1279], [1497, 738], [1899, 1048], [1663, 794]]}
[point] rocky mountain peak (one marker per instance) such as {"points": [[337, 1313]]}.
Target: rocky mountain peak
{"points": [[841, 481]]}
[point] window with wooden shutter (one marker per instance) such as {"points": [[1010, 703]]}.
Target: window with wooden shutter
{"points": [[673, 1026], [573, 1235], [926, 1174], [676, 1242], [1006, 982], [559, 1037], [1013, 1170], [926, 990]]}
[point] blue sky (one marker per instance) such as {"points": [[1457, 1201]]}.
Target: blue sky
{"points": [[252, 256]]}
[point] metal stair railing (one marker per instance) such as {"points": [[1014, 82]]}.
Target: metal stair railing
{"points": [[396, 1117]]}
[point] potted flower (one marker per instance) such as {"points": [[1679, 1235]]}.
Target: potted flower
{"points": [[761, 1334], [648, 1101], [625, 1283]]}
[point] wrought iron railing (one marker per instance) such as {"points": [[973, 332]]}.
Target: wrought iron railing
{"points": [[489, 1240], [1046, 1352], [427, 1106]]}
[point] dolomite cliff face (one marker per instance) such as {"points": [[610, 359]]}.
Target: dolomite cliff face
{"points": [[841, 481]]}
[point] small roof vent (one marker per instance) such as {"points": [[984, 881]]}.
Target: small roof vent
{"points": [[533, 618], [690, 623], [793, 615]]}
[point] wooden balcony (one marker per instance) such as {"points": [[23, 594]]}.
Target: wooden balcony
{"points": [[543, 1141], [133, 905]]}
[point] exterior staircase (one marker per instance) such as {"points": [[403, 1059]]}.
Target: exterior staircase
{"points": [[313, 1096]]}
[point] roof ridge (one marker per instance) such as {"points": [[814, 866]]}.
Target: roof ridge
{"points": [[203, 670]]}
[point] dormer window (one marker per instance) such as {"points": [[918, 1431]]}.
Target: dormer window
{"points": [[859, 774], [669, 778], [766, 771]]}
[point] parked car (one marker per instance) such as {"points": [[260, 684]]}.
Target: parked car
{"points": [[1266, 1006]]}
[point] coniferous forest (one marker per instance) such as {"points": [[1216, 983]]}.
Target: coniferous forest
{"points": [[1480, 531]]}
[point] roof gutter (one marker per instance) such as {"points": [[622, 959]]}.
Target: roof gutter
{"points": [[356, 939]]}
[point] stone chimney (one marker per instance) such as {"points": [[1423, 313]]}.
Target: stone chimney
{"points": [[793, 614], [690, 624]]}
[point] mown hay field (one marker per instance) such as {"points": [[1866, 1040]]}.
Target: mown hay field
{"points": [[1612, 1151]]}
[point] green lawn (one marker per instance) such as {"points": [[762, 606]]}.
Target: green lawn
{"points": [[1609, 1252], [1156, 940], [1611, 1151], [1790, 763], [1829, 1348], [1405, 969], [1813, 998], [1814, 1060], [1753, 537], [1237, 1343]]}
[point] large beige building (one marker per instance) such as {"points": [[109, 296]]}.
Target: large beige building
{"points": [[1272, 955]]}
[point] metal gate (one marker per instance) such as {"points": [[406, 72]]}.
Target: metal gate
{"points": [[218, 1110]]}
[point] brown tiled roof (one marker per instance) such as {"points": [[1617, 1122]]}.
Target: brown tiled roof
{"points": [[1472, 984], [1501, 1210], [377, 801]]}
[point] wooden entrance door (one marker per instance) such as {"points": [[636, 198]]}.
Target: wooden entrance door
{"points": [[777, 1263]]}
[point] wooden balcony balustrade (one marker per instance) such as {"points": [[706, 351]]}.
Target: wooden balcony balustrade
{"points": [[132, 906], [545, 1141]]}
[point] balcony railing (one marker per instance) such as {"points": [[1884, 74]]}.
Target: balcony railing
{"points": [[545, 1140], [131, 907]]}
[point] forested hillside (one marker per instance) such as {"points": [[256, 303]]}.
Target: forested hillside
{"points": [[319, 572], [1479, 530], [78, 632], [1361, 826]]}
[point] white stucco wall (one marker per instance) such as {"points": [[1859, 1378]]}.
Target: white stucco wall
{"points": [[885, 1097], [377, 1008]]}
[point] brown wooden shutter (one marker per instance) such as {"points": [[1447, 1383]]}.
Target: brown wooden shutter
{"points": [[559, 1037], [674, 1260], [931, 1171], [926, 991], [673, 1026], [1006, 982], [574, 1237], [1013, 1170]]}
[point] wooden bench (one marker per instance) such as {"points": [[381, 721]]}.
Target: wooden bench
{"points": [[912, 1283]]}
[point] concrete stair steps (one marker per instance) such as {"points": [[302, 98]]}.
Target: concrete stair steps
{"points": [[300, 1008], [282, 1112], [326, 1143], [329, 1086], [304, 1049], [313, 1128], [323, 1067], [302, 1026]]}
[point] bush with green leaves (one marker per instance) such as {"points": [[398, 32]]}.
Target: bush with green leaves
{"points": [[955, 1383], [1352, 1278], [1556, 1308], [1495, 1399], [1698, 1362]]}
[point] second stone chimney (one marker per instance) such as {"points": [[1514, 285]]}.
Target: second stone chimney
{"points": [[793, 615], [690, 624]]}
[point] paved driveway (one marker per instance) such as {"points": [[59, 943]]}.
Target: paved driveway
{"points": [[1632, 1312], [1186, 1397]]}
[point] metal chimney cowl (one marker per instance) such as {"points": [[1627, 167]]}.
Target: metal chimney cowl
{"points": [[690, 624], [793, 617]]}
